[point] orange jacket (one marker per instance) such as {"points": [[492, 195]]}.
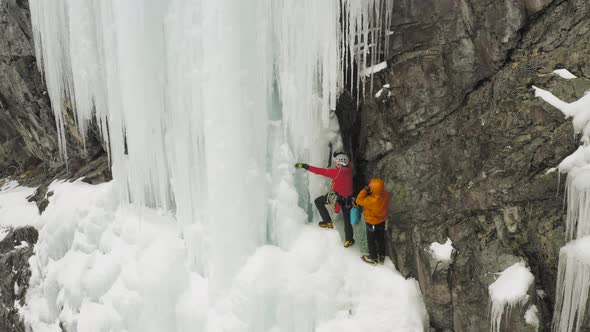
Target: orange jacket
{"points": [[376, 205]]}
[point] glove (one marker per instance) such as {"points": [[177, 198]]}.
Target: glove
{"points": [[301, 165], [368, 190]]}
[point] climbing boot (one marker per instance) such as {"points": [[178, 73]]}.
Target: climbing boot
{"points": [[381, 260], [324, 224], [369, 260], [348, 243]]}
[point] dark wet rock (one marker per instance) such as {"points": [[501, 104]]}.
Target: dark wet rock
{"points": [[40, 197], [466, 148], [15, 250]]}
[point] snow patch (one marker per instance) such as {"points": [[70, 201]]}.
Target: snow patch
{"points": [[23, 244], [442, 252], [509, 290], [531, 317], [374, 69], [3, 233], [551, 170], [564, 73], [15, 210]]}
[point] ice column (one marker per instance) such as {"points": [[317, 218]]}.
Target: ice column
{"points": [[573, 282]]}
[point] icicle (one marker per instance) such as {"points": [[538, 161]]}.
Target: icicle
{"points": [[573, 282], [509, 290], [369, 22]]}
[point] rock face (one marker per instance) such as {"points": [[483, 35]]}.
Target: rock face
{"points": [[28, 138], [15, 250], [465, 147]]}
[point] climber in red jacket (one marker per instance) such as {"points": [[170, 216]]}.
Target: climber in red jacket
{"points": [[340, 196]]}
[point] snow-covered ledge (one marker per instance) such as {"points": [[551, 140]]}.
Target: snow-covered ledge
{"points": [[565, 74], [511, 289]]}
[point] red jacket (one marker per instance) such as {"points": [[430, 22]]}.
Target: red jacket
{"points": [[341, 178]]}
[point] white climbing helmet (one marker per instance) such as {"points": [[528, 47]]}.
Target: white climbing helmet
{"points": [[341, 159]]}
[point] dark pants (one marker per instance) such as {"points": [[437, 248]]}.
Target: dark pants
{"points": [[344, 202], [376, 240]]}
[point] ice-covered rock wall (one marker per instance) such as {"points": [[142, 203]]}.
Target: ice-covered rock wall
{"points": [[573, 280]]}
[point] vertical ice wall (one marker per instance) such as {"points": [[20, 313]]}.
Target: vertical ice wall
{"points": [[184, 93], [573, 281]]}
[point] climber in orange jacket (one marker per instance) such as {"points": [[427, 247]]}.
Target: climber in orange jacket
{"points": [[375, 201]]}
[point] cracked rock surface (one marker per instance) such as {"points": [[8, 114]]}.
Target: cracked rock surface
{"points": [[465, 147]]}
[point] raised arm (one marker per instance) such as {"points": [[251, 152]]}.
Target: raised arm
{"points": [[327, 172], [362, 197]]}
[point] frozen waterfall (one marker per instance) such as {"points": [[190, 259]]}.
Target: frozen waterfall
{"points": [[573, 280], [185, 93], [204, 106]]}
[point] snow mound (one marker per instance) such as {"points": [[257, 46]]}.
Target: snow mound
{"points": [[101, 265], [442, 252], [509, 290]]}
